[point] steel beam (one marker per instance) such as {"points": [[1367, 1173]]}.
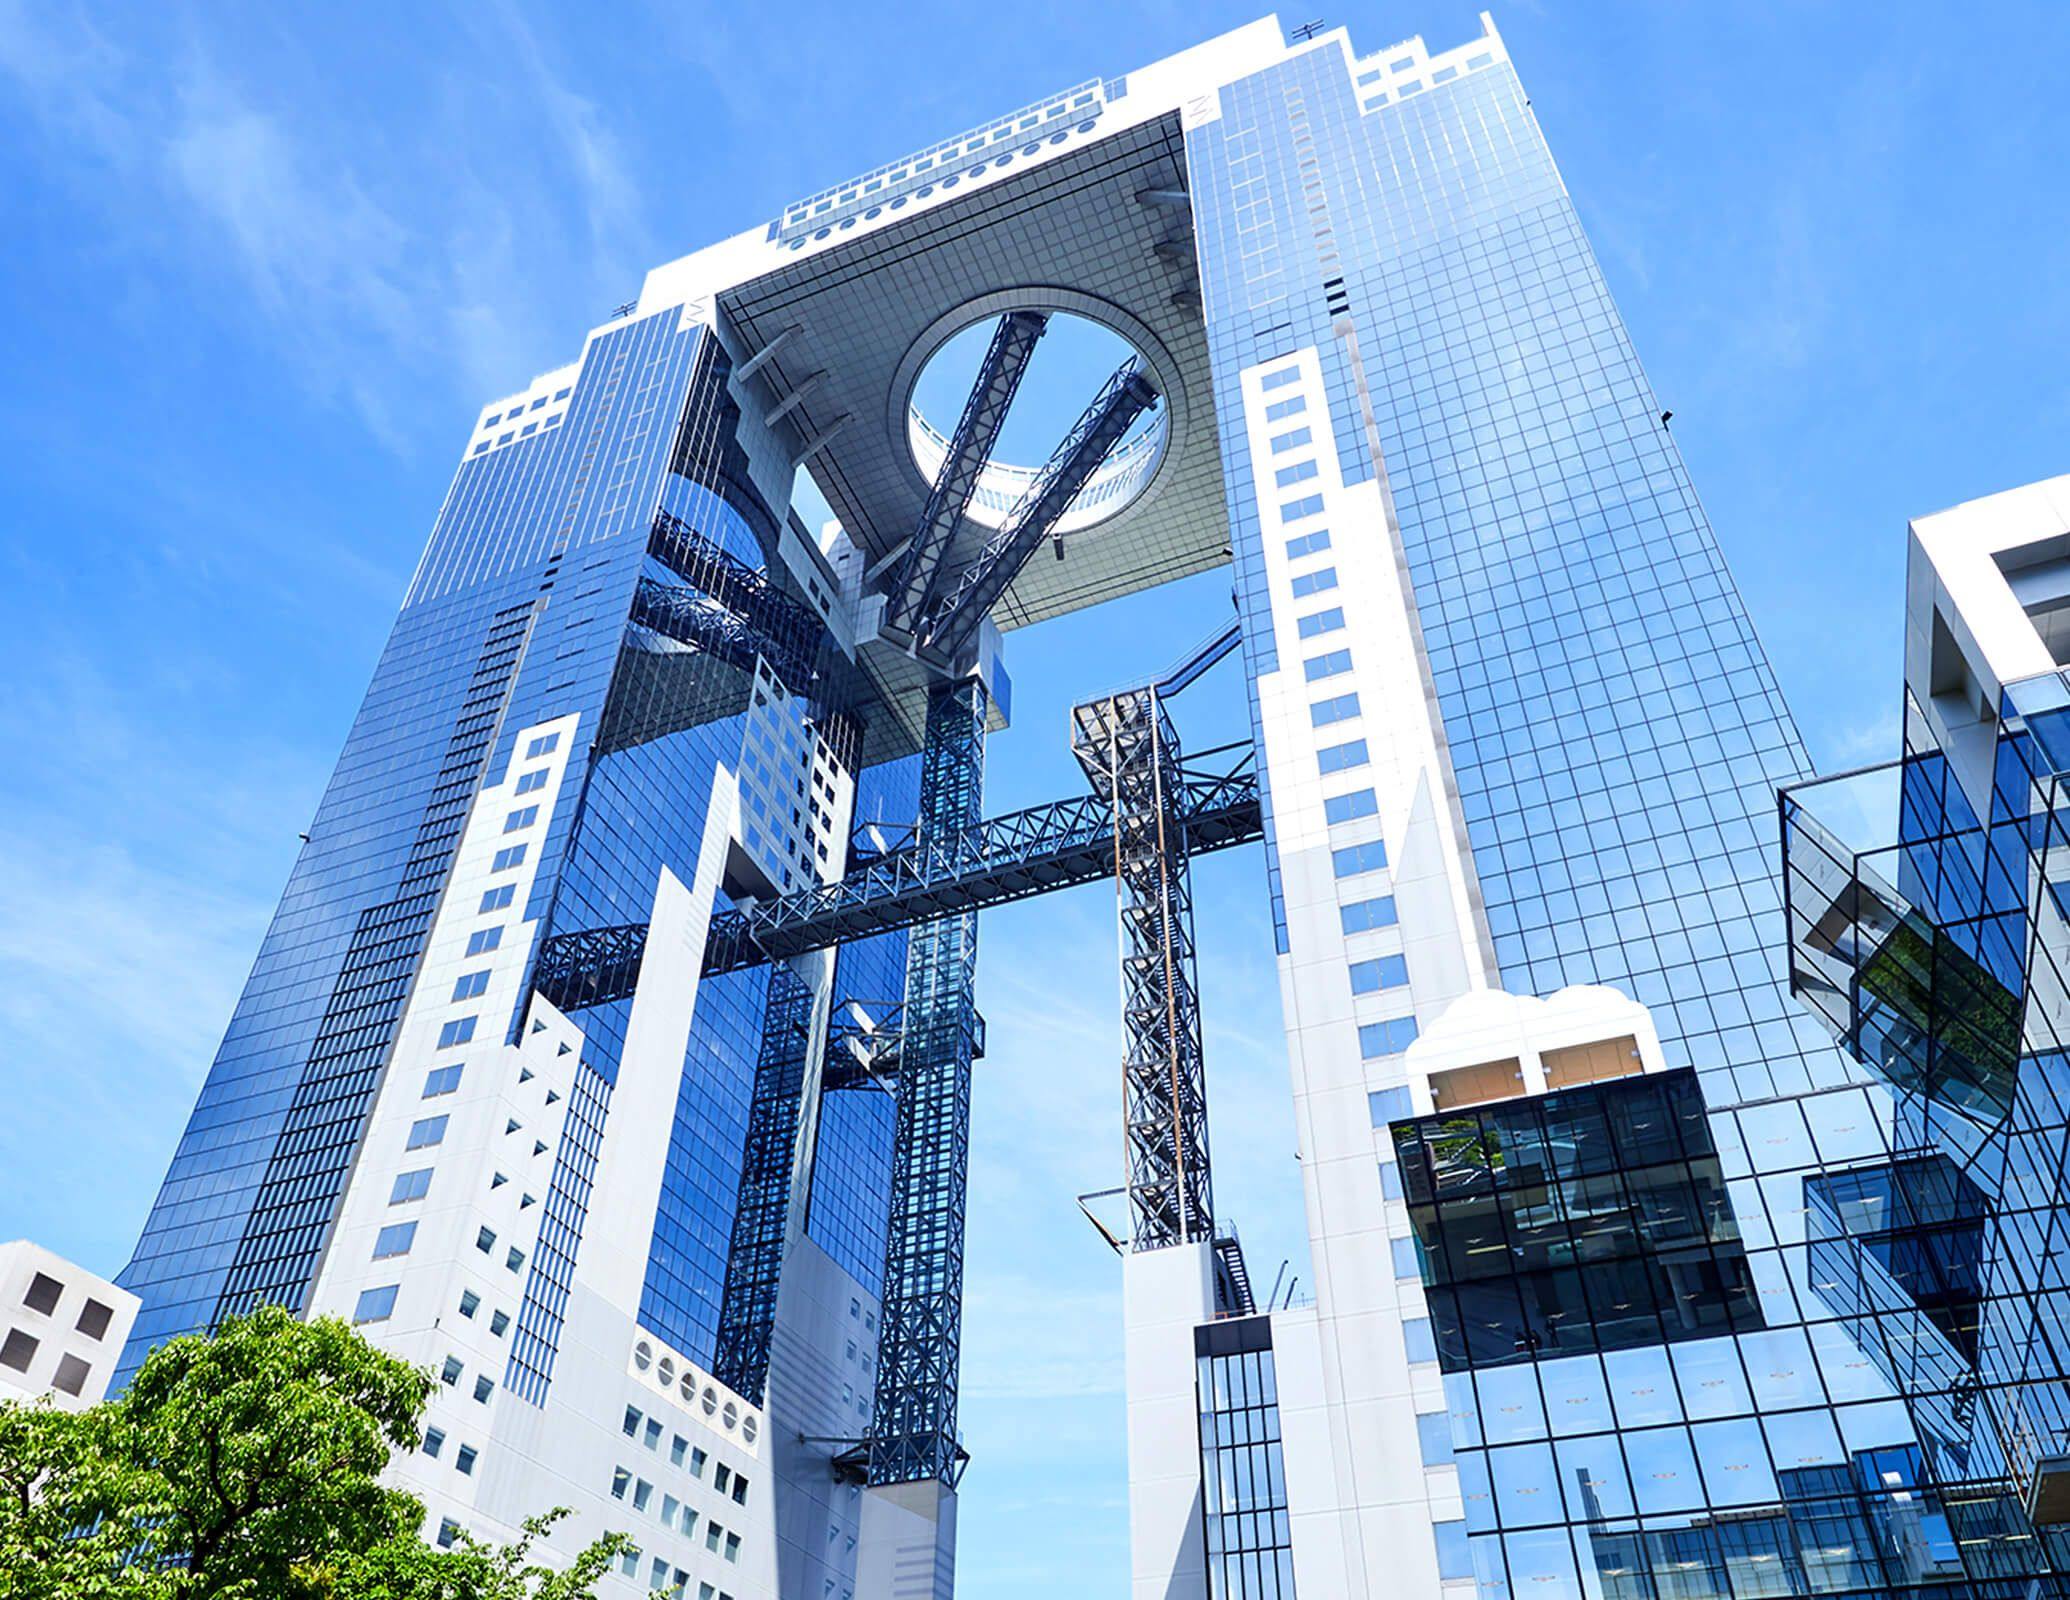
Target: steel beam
{"points": [[913, 1422], [951, 620], [754, 1258], [1003, 859], [977, 432]]}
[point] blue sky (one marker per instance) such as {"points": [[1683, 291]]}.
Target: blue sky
{"points": [[262, 263]]}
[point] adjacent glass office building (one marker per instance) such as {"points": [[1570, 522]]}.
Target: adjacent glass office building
{"points": [[585, 1063]]}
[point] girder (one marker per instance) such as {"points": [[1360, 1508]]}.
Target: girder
{"points": [[946, 626], [779, 626], [919, 1351], [754, 1257], [1000, 860], [970, 447]]}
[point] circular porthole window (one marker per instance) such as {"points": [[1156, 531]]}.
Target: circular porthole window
{"points": [[1073, 359], [730, 1417], [643, 1355], [710, 1401], [666, 1372], [749, 1428], [689, 1390]]}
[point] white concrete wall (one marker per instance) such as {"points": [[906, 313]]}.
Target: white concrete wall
{"points": [[64, 1346]]}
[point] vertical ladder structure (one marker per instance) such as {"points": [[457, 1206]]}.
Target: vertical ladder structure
{"points": [[1130, 753], [769, 1161], [913, 1431]]}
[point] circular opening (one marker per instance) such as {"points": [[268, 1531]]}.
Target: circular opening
{"points": [[643, 1355], [710, 1402], [688, 1389], [749, 1428], [730, 1416], [1070, 364], [666, 1372]]}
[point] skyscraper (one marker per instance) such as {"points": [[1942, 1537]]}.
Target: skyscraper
{"points": [[610, 1051]]}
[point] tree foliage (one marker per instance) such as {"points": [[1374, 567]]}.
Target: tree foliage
{"points": [[246, 1466]]}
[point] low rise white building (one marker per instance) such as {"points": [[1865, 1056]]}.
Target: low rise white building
{"points": [[61, 1327]]}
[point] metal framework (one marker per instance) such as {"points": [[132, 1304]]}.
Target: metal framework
{"points": [[868, 1057], [1130, 753], [730, 608], [1002, 859], [977, 432], [754, 1258], [913, 1428], [947, 624]]}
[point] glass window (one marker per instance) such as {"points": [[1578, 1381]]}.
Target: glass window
{"points": [[1299, 472], [1350, 807], [471, 984], [376, 1305], [410, 1186], [1453, 1559], [1290, 441], [1321, 622], [1327, 665], [465, 1460], [523, 817], [1339, 709], [1416, 1335], [1389, 1038], [394, 1240], [529, 782], [434, 1441], [1280, 378], [1308, 505], [1434, 1434], [1280, 410], [1307, 583], [483, 939], [1354, 859], [426, 1131], [546, 743], [1341, 757], [1405, 1262], [1307, 544], [1385, 972], [441, 1080], [1362, 916], [506, 858], [495, 900], [458, 1031], [1388, 1105]]}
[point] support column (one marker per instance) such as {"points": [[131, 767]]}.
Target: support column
{"points": [[769, 1163], [1130, 753], [913, 1427]]}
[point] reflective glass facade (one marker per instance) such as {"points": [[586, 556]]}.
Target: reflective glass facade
{"points": [[1742, 1355], [1250, 1547], [535, 600]]}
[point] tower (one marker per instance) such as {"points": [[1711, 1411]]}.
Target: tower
{"points": [[610, 1051]]}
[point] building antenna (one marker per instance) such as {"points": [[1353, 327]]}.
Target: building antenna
{"points": [[1308, 30]]}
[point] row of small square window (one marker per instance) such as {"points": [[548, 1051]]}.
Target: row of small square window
{"points": [[19, 1349], [525, 432], [516, 410], [44, 1293], [659, 1580]]}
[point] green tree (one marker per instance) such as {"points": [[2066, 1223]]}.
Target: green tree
{"points": [[246, 1466]]}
